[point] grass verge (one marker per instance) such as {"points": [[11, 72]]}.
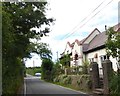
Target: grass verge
{"points": [[72, 87]]}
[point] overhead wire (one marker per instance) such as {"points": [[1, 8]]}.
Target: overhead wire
{"points": [[69, 34], [85, 18]]}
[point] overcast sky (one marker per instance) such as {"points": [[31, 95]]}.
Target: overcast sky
{"points": [[76, 19]]}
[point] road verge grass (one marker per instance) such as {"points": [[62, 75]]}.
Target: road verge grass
{"points": [[72, 87]]}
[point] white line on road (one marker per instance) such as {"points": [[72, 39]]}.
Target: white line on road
{"points": [[24, 88]]}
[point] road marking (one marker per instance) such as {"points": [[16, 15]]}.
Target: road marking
{"points": [[24, 88]]}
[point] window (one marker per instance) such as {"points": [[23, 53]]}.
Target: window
{"points": [[67, 51], [91, 59], [76, 57], [104, 57]]}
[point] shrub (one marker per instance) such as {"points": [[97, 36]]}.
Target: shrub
{"points": [[89, 84], [67, 80], [84, 82], [56, 71], [85, 66], [12, 77], [64, 76], [115, 84], [56, 79], [46, 69]]}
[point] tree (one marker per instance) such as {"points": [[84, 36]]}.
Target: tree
{"points": [[46, 68], [42, 49], [57, 70], [65, 60], [18, 19], [113, 49], [113, 45], [25, 16]]}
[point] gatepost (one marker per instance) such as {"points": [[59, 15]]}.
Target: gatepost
{"points": [[107, 71], [94, 72]]}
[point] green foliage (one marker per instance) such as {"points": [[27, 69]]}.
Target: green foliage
{"points": [[79, 82], [113, 49], [32, 70], [113, 44], [46, 68], [24, 16], [12, 76], [18, 19], [65, 60], [115, 84], [85, 67], [84, 82], [57, 70], [43, 50], [67, 80], [63, 79]]}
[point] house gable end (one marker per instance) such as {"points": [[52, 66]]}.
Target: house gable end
{"points": [[91, 36], [68, 48]]}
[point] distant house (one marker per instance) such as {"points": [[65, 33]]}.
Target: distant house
{"points": [[91, 48]]}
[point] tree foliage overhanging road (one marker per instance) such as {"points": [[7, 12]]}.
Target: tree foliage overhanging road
{"points": [[17, 20]]}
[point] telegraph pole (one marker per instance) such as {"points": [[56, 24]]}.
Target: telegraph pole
{"points": [[33, 64], [57, 56]]}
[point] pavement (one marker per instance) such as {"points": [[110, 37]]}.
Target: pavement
{"points": [[35, 86]]}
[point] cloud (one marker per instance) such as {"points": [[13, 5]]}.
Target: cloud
{"points": [[34, 61], [70, 13]]}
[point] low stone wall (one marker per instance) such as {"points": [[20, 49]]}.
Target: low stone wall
{"points": [[80, 82]]}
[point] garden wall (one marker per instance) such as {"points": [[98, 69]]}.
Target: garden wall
{"points": [[79, 82]]}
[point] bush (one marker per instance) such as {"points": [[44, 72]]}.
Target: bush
{"points": [[34, 70], [84, 82], [67, 80], [89, 84], [85, 66], [46, 69], [115, 84], [56, 71], [12, 77], [56, 79]]}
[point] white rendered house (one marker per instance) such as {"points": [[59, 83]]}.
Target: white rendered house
{"points": [[91, 48]]}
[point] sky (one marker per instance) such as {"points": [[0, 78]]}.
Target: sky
{"points": [[75, 19]]}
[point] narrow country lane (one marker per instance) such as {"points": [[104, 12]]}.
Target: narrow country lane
{"points": [[35, 86]]}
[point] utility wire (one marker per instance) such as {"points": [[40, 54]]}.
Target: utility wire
{"points": [[85, 18], [69, 34]]}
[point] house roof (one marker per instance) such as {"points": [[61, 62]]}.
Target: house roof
{"points": [[90, 34], [117, 27], [78, 42], [82, 41], [99, 40], [70, 45]]}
